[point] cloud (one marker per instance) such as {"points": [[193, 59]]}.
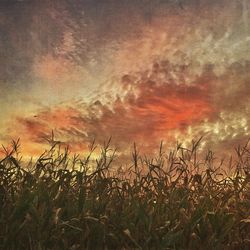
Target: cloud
{"points": [[159, 71], [152, 107], [145, 114]]}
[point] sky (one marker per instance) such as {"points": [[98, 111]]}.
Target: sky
{"points": [[135, 70]]}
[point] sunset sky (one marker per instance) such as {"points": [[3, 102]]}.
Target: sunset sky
{"points": [[137, 70]]}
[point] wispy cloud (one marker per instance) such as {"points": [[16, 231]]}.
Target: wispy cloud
{"points": [[153, 71]]}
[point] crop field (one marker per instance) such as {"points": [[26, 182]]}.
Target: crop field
{"points": [[176, 200]]}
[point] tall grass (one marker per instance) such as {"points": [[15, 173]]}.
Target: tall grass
{"points": [[173, 201]]}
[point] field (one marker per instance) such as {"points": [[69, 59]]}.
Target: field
{"points": [[176, 200]]}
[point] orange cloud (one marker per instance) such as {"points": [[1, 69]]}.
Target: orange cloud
{"points": [[145, 114], [151, 108]]}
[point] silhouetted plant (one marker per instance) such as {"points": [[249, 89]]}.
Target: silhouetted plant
{"points": [[175, 200]]}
